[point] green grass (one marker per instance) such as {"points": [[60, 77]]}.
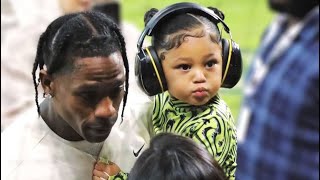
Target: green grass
{"points": [[233, 97], [246, 19]]}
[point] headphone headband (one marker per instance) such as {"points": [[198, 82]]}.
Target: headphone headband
{"points": [[184, 7], [148, 66]]}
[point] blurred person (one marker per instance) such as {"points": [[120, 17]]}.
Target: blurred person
{"points": [[171, 156], [17, 50], [83, 71], [278, 130]]}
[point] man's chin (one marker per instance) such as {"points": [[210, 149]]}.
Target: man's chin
{"points": [[97, 138]]}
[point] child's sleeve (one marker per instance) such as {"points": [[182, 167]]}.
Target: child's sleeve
{"points": [[230, 164], [120, 176]]}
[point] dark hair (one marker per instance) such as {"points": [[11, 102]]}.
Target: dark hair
{"points": [[175, 157], [78, 35], [177, 23]]}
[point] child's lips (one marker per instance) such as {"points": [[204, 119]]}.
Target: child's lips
{"points": [[200, 93]]}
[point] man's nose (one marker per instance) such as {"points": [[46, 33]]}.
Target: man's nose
{"points": [[105, 108]]}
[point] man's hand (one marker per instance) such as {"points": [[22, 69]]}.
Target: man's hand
{"points": [[103, 170]]}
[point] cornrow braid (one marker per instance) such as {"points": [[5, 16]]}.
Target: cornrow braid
{"points": [[83, 34], [39, 59], [126, 65], [38, 62], [117, 30]]}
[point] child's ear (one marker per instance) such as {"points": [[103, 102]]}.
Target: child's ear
{"points": [[46, 82]]}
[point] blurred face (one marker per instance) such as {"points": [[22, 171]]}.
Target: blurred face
{"points": [[70, 6], [296, 8], [88, 99], [193, 70]]}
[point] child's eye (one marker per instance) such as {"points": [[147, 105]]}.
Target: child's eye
{"points": [[184, 67], [211, 63]]}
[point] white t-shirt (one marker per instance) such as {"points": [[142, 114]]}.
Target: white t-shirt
{"points": [[30, 150], [131, 137]]}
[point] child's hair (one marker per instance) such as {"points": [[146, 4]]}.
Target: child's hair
{"points": [[175, 157], [78, 35], [161, 38]]}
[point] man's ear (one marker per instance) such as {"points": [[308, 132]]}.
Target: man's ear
{"points": [[46, 82]]}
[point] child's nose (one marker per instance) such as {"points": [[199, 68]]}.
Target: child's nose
{"points": [[199, 76]]}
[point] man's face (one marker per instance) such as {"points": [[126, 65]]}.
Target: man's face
{"points": [[296, 8], [88, 98]]}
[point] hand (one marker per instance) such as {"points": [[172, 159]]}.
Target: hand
{"points": [[102, 170]]}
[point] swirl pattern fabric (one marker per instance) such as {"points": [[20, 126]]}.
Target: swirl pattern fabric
{"points": [[211, 125]]}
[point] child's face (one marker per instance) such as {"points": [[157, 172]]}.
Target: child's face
{"points": [[194, 70]]}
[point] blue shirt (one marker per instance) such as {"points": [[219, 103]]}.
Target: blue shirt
{"points": [[281, 135]]}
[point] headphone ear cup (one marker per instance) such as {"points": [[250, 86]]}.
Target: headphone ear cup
{"points": [[149, 72], [231, 63]]}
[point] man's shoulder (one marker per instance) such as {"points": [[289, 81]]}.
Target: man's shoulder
{"points": [[18, 141], [30, 150]]}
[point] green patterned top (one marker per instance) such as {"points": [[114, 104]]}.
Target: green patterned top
{"points": [[211, 125]]}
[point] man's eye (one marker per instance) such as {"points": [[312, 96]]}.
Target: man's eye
{"points": [[115, 92], [88, 97], [184, 67]]}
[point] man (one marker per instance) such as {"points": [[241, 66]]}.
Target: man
{"points": [[22, 28], [28, 20], [278, 126], [83, 70]]}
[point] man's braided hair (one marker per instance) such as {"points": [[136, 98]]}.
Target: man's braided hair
{"points": [[78, 35]]}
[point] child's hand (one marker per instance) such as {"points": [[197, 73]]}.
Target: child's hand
{"points": [[103, 170]]}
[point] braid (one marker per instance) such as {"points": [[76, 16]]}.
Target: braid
{"points": [[126, 65], [115, 28], [84, 34], [37, 63], [42, 53]]}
